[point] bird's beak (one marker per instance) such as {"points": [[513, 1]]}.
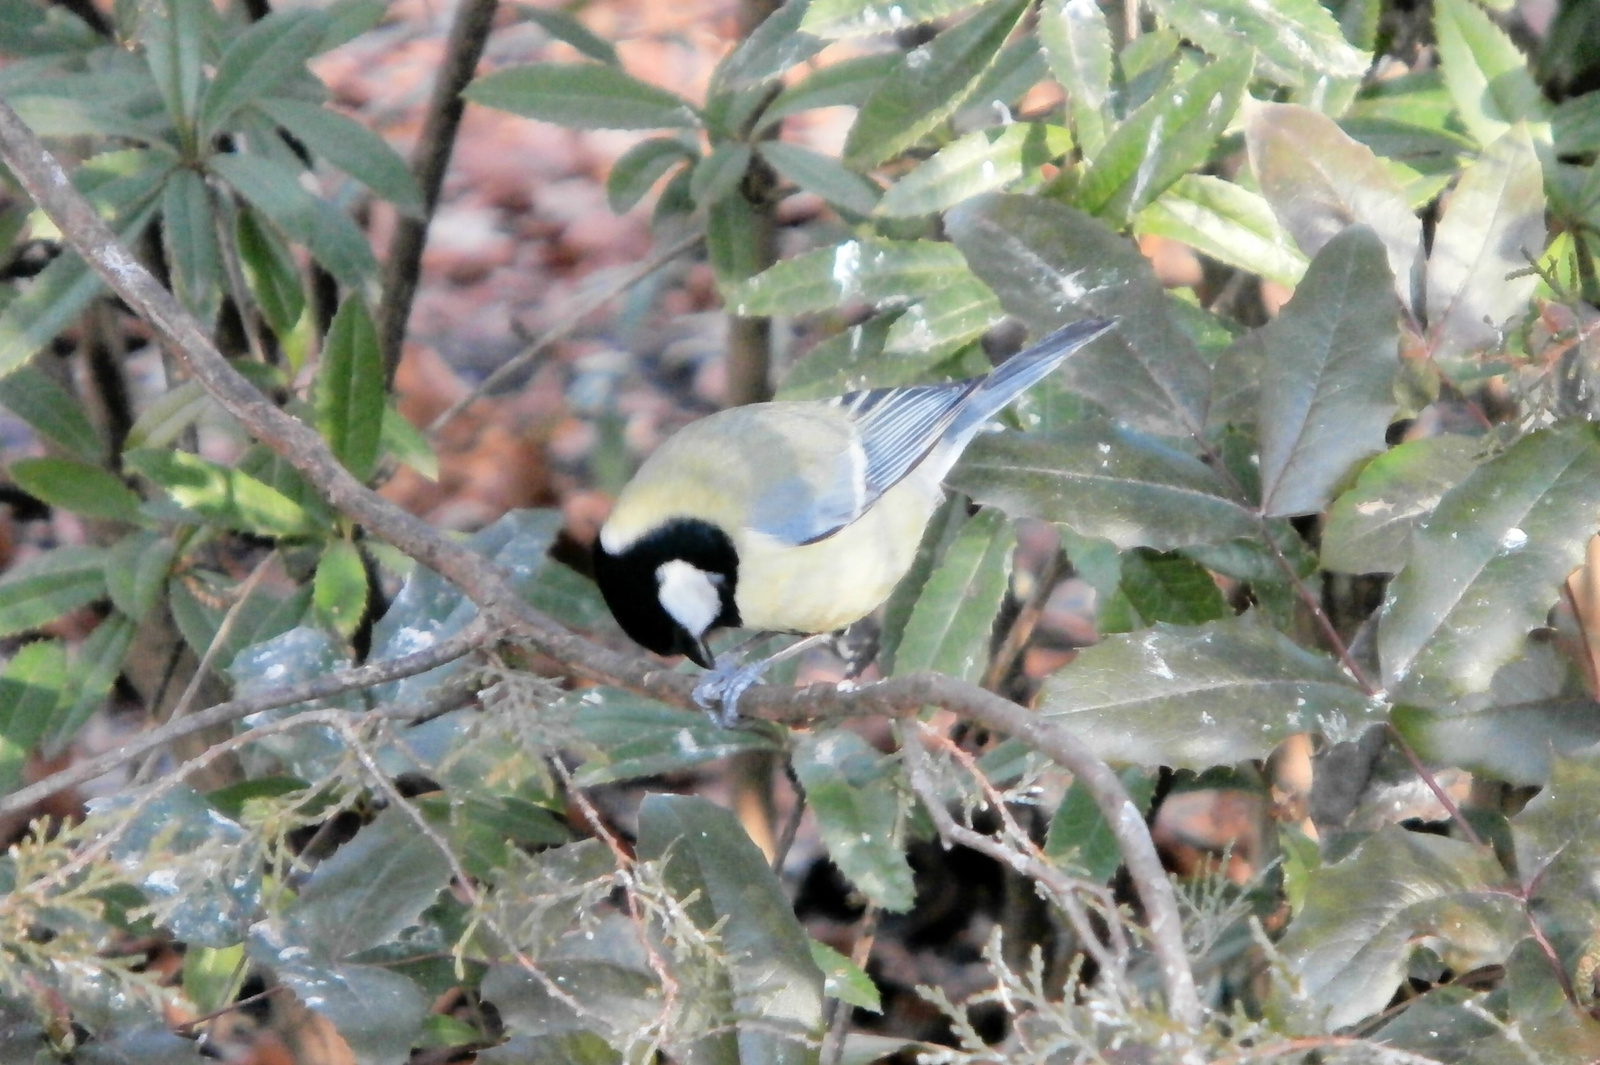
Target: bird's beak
{"points": [[700, 654]]}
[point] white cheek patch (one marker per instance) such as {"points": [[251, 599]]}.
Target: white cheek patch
{"points": [[689, 594]]}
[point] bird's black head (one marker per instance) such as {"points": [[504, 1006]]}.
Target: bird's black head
{"points": [[672, 586]]}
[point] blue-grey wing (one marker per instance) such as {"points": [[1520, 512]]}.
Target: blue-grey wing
{"points": [[897, 427]]}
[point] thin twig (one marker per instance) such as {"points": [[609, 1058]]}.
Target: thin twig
{"points": [[564, 325], [429, 162], [1428, 778], [832, 1052]]}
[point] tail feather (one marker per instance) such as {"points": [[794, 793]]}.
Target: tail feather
{"points": [[1021, 372]]}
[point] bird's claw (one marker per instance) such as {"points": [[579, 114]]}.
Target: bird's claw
{"points": [[718, 691]]}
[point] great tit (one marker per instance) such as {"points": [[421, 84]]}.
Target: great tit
{"points": [[795, 517]]}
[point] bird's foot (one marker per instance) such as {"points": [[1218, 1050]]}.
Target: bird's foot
{"points": [[718, 691]]}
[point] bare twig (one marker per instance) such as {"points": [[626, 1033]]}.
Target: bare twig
{"points": [[428, 164], [504, 611]]}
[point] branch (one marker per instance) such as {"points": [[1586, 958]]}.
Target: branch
{"points": [[429, 162], [505, 613]]}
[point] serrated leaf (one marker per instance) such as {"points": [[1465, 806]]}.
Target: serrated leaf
{"points": [[1077, 43], [226, 496], [822, 175], [1104, 481], [1486, 74], [1051, 264], [1492, 227], [772, 48], [1350, 944], [34, 397], [930, 82], [274, 275], [339, 590], [77, 486], [950, 628], [852, 18], [1198, 697], [33, 687], [137, 567], [945, 320], [563, 27], [582, 96], [1297, 42], [275, 191], [351, 147], [350, 389], [189, 235], [979, 162], [1080, 836], [1327, 386], [851, 790], [1227, 222], [771, 977], [1170, 588], [1514, 742], [1319, 181], [39, 591], [848, 82], [871, 271], [638, 169], [1369, 526], [268, 54], [1169, 135], [1487, 565], [634, 737], [844, 980]]}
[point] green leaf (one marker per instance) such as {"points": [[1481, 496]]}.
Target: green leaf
{"points": [[930, 82], [848, 82], [851, 360], [1364, 916], [32, 688], [582, 96], [1170, 135], [563, 27], [173, 33], [55, 583], [1369, 526], [1051, 264], [404, 442], [771, 49], [273, 273], [638, 169], [951, 626], [219, 494], [771, 977], [351, 147], [953, 315], [1486, 74], [339, 591], [1320, 181], [852, 791], [844, 980], [77, 486], [1575, 125], [136, 572], [275, 191], [718, 175], [1194, 698], [735, 254], [1488, 564], [262, 616], [189, 234], [269, 54], [51, 411], [822, 175], [1077, 42], [1327, 387], [1171, 588], [854, 18], [95, 669], [634, 737], [1227, 222], [1080, 836], [1297, 42], [979, 162], [1492, 227], [871, 271], [350, 389], [1104, 481]]}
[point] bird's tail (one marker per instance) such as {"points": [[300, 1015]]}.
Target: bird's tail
{"points": [[1021, 372]]}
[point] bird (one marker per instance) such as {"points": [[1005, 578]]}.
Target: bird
{"points": [[795, 516]]}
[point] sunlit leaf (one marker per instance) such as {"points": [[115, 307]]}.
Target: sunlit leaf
{"points": [[1369, 526], [951, 316], [582, 96], [339, 590], [979, 162], [48, 586], [1327, 385], [1227, 222], [217, 493], [1080, 836], [1486, 74], [1297, 42], [849, 18], [92, 491], [1199, 697], [1077, 43], [950, 627], [871, 271], [851, 790], [1487, 565], [33, 687]]}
